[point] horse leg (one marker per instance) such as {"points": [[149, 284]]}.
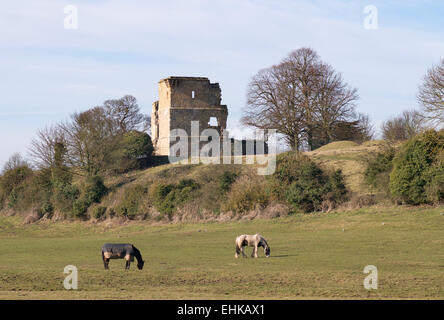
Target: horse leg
{"points": [[243, 254], [254, 253], [104, 260], [127, 265], [106, 263]]}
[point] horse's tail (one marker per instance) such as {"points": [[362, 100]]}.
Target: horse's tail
{"points": [[236, 242], [103, 256]]}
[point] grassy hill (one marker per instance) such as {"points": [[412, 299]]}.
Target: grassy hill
{"points": [[351, 158], [194, 192], [208, 202]]}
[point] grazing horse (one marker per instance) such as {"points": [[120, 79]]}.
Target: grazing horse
{"points": [[121, 251], [252, 241]]}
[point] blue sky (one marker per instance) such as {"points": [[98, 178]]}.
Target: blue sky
{"points": [[125, 47]]}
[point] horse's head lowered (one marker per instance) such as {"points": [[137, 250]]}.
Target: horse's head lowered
{"points": [[140, 264], [267, 251], [266, 248]]}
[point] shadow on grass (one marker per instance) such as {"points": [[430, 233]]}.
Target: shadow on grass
{"points": [[284, 256]]}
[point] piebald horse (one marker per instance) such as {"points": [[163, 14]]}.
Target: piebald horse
{"points": [[251, 241], [121, 251]]}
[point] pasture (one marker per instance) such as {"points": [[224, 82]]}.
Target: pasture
{"points": [[313, 256]]}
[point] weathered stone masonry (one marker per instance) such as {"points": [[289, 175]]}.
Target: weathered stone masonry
{"points": [[182, 100]]}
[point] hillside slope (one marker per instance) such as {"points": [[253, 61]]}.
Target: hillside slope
{"points": [[351, 158], [207, 201]]}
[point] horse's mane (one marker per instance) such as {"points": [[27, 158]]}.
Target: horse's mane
{"points": [[137, 254], [262, 239]]}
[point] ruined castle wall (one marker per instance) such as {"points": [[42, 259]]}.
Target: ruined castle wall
{"points": [[182, 100], [195, 94], [160, 129]]}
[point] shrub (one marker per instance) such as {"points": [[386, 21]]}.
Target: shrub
{"points": [[134, 152], [132, 199], [377, 173], [304, 185], [227, 180], [79, 208], [167, 198], [14, 177], [95, 189], [247, 193], [98, 212], [12, 198], [46, 208], [435, 175], [307, 192], [418, 169], [64, 196], [12, 184], [335, 189], [137, 145]]}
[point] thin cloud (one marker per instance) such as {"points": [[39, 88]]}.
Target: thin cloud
{"points": [[126, 47]]}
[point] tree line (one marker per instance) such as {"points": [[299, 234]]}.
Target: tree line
{"points": [[108, 139], [310, 104]]}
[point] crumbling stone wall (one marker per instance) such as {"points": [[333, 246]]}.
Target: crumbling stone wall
{"points": [[182, 100]]}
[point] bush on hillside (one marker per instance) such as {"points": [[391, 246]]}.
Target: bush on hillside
{"points": [[247, 193], [134, 152], [132, 198], [46, 209], [377, 173], [227, 180], [418, 170], [98, 212], [12, 183], [304, 185], [79, 208], [93, 191], [168, 197], [435, 175], [64, 196]]}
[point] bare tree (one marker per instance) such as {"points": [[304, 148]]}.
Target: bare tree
{"points": [[431, 95], [366, 128], [15, 161], [271, 105], [335, 103], [89, 138], [43, 147], [402, 127], [299, 97], [125, 113]]}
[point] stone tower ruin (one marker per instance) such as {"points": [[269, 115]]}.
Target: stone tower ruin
{"points": [[182, 100]]}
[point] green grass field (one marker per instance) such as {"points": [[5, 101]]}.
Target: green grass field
{"points": [[315, 256]]}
